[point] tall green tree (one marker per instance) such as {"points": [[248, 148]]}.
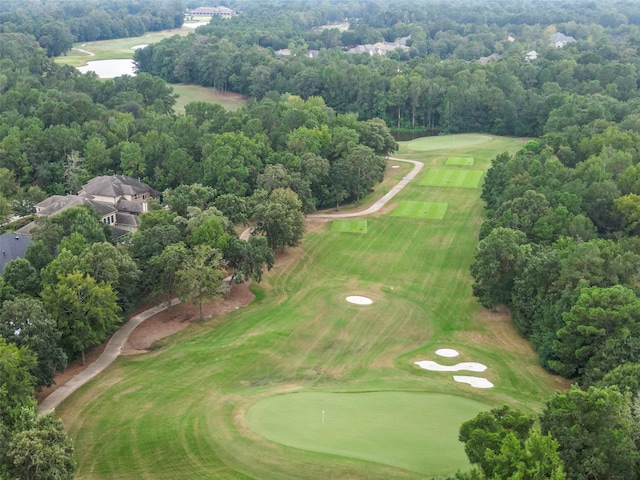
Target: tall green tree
{"points": [[85, 311], [278, 216], [200, 276]]}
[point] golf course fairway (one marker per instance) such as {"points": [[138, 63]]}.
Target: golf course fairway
{"points": [[241, 395]]}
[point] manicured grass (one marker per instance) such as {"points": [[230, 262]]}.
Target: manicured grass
{"points": [[181, 411], [407, 430], [423, 210], [444, 177], [463, 161], [447, 142], [349, 226], [195, 93], [118, 48]]}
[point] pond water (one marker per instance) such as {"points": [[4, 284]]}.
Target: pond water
{"points": [[110, 68]]}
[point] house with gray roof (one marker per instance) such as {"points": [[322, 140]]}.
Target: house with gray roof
{"points": [[559, 40], [119, 200], [12, 246]]}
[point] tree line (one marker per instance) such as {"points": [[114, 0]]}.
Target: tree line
{"points": [[57, 25], [438, 84]]}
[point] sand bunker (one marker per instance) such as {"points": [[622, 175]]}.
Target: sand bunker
{"points": [[476, 382], [447, 352], [436, 367], [138, 47], [358, 300]]}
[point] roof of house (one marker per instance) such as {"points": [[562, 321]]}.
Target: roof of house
{"points": [[127, 219], [129, 206], [12, 246], [561, 38], [57, 203], [485, 60], [115, 186]]}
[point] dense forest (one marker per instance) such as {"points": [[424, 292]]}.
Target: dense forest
{"points": [[559, 247]]}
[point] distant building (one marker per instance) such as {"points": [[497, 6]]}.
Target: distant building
{"points": [[530, 56], [511, 39], [490, 58], [559, 40], [381, 48], [12, 246], [222, 12], [119, 200]]}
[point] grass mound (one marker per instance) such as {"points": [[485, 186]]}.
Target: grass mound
{"points": [[406, 430], [349, 226], [422, 210], [463, 161], [445, 177]]}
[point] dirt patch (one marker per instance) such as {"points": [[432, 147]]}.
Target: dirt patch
{"points": [[180, 316], [154, 328]]}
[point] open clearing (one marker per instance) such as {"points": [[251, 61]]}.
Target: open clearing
{"points": [[181, 411], [422, 210], [462, 161], [407, 430], [447, 142], [446, 177], [195, 93], [349, 226]]}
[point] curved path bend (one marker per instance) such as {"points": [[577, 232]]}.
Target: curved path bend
{"points": [[111, 352], [118, 340]]}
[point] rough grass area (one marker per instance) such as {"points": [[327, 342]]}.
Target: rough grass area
{"points": [[447, 142], [444, 177], [422, 210], [195, 93], [462, 161], [181, 411], [407, 430], [349, 226]]}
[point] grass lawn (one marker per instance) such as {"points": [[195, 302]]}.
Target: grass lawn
{"points": [[349, 226], [422, 210], [447, 142], [195, 93], [407, 430], [463, 161], [444, 177], [191, 409], [117, 48]]}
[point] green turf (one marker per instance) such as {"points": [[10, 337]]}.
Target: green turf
{"points": [[113, 49], [447, 142], [445, 177], [423, 210], [463, 161], [407, 430], [349, 226], [179, 412], [195, 93]]}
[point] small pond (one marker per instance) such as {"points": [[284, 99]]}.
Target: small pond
{"points": [[110, 68]]}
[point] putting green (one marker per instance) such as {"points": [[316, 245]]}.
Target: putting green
{"points": [[426, 144], [424, 210], [444, 177], [464, 161], [349, 226], [413, 431]]}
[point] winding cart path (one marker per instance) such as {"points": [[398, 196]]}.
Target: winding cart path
{"points": [[119, 339]]}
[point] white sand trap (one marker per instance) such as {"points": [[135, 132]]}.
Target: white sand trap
{"points": [[395, 166], [476, 382], [436, 367], [138, 47], [447, 352], [358, 300]]}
